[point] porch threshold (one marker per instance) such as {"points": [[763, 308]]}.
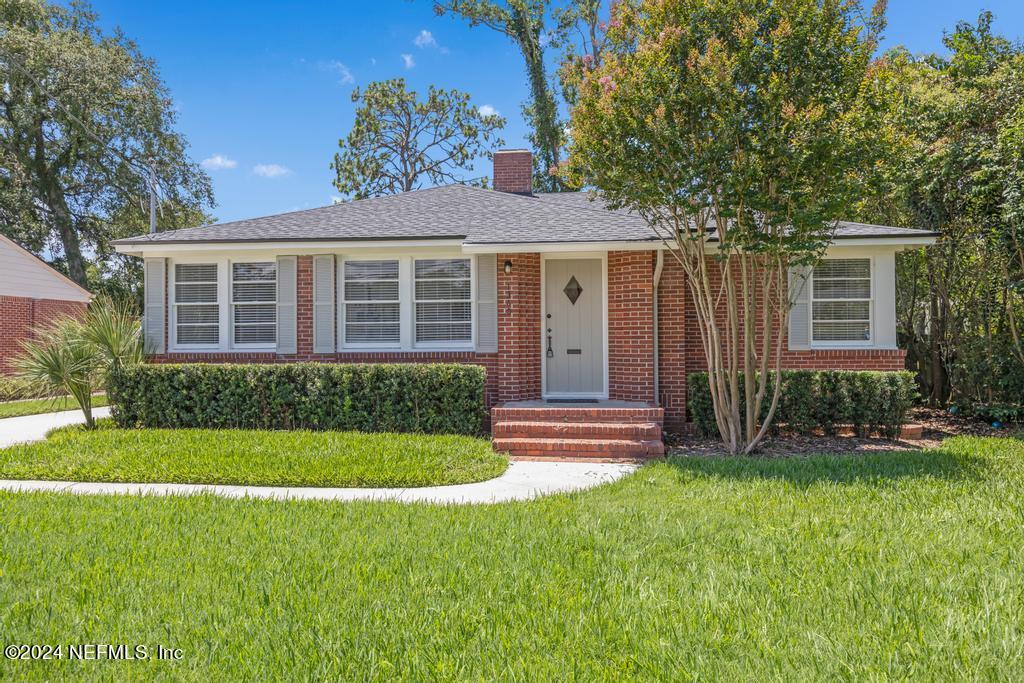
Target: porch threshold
{"points": [[569, 403]]}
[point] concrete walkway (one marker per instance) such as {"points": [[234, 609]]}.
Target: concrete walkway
{"points": [[34, 427], [521, 481]]}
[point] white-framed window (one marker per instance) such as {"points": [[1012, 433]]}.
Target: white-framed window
{"points": [[841, 299], [254, 304], [196, 309], [372, 303], [443, 295]]}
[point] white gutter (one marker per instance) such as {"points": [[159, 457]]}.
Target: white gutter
{"points": [[659, 266], [164, 247]]}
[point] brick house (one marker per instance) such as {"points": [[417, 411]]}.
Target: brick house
{"points": [[560, 299], [32, 294]]}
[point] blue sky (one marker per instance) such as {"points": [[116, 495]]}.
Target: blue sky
{"points": [[262, 88]]}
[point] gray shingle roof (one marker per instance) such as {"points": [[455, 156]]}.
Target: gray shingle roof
{"points": [[471, 214], [844, 229]]}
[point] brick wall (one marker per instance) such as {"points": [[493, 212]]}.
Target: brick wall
{"points": [[21, 316], [304, 346], [519, 327], [631, 325], [514, 373], [680, 350]]}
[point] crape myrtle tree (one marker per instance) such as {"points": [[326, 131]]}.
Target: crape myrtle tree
{"points": [[399, 142], [84, 121], [737, 129]]}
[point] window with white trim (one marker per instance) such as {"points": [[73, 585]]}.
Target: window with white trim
{"points": [[444, 301], [841, 301], [196, 310], [254, 303], [373, 315]]}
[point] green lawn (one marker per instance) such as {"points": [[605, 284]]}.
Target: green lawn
{"points": [[230, 456], [35, 406], [886, 566]]}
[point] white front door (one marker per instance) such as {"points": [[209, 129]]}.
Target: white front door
{"points": [[574, 327]]}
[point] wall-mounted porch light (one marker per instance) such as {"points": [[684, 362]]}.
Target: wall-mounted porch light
{"points": [[508, 267]]}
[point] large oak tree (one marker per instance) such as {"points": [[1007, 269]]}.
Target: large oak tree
{"points": [[84, 120]]}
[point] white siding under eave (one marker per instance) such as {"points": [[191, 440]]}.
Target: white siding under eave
{"points": [[23, 275]]}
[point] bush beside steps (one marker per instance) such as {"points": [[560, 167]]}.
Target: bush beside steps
{"points": [[827, 401]]}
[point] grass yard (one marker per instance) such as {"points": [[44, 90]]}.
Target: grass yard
{"points": [[253, 457], [35, 406], [885, 566]]}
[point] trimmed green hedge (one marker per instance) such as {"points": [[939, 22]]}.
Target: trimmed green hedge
{"points": [[871, 402], [422, 398]]}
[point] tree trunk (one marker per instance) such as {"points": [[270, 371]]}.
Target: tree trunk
{"points": [[68, 236]]}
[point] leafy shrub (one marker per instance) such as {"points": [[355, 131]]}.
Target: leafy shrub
{"points": [[870, 402], [423, 398], [1007, 413]]}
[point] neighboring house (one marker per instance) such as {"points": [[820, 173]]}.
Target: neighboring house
{"points": [[32, 294], [555, 295]]}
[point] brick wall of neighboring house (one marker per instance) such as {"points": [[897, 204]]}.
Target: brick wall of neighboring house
{"points": [[680, 350], [21, 315]]}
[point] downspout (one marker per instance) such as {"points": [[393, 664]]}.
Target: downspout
{"points": [[658, 267]]}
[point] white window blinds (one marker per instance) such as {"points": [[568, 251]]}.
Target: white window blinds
{"points": [[444, 301], [372, 306], [254, 303], [197, 314], [841, 301]]}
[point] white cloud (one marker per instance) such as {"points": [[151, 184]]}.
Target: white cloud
{"points": [[424, 39], [408, 61], [487, 110], [345, 76], [271, 170], [218, 162]]}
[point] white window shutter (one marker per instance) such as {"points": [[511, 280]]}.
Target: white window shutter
{"points": [[800, 313], [286, 320], [153, 329], [487, 303], [323, 304]]}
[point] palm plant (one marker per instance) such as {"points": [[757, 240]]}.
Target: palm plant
{"points": [[114, 329], [76, 356], [60, 360]]}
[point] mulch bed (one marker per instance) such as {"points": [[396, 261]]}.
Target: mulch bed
{"points": [[938, 426]]}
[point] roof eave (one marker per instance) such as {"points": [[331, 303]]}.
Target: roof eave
{"points": [[154, 246]]}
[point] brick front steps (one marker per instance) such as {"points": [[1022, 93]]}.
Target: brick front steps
{"points": [[598, 434]]}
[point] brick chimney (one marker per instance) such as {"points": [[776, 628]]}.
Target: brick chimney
{"points": [[513, 171]]}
